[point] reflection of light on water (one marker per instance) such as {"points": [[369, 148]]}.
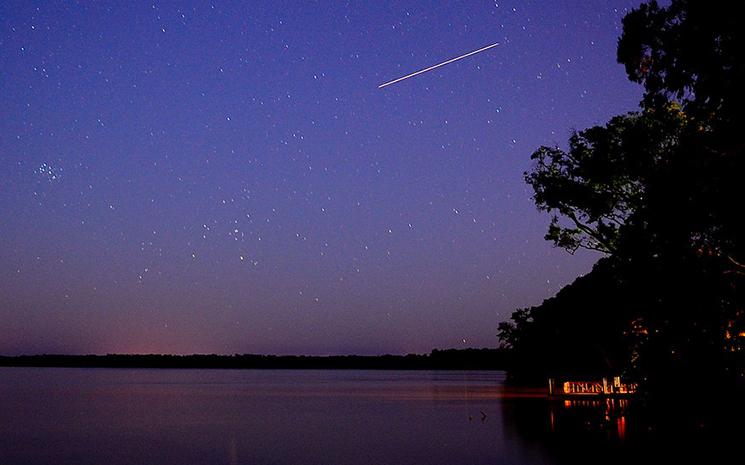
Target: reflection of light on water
{"points": [[608, 415], [456, 392], [233, 451], [523, 392]]}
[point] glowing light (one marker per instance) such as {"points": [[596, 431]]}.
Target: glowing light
{"points": [[438, 65]]}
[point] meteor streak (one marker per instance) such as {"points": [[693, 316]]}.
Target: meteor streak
{"points": [[438, 65]]}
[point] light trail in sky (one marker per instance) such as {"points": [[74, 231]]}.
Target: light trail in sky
{"points": [[438, 65]]}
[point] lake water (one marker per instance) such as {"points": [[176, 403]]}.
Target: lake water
{"points": [[151, 416]]}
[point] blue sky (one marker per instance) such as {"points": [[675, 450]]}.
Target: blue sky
{"points": [[199, 177]]}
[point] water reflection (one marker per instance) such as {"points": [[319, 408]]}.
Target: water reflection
{"points": [[257, 417], [607, 416], [69, 416], [619, 431], [577, 432]]}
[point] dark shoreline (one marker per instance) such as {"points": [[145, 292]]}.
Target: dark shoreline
{"points": [[451, 359]]}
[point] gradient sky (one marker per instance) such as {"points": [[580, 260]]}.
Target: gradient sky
{"points": [[197, 177]]}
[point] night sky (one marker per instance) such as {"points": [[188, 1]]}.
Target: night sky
{"points": [[197, 177]]}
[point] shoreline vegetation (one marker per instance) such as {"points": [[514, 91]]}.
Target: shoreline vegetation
{"points": [[449, 359]]}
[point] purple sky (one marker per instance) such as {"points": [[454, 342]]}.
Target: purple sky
{"points": [[189, 177]]}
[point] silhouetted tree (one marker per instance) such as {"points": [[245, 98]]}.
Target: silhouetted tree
{"points": [[692, 53], [601, 183], [510, 333], [659, 192]]}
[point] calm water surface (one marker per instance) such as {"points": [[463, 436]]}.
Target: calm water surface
{"points": [[123, 416]]}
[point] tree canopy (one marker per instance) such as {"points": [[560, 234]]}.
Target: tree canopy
{"points": [[658, 192], [601, 183]]}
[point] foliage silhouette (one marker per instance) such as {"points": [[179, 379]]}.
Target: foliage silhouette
{"points": [[657, 191]]}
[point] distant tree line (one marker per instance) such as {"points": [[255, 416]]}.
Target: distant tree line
{"points": [[451, 359]]}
